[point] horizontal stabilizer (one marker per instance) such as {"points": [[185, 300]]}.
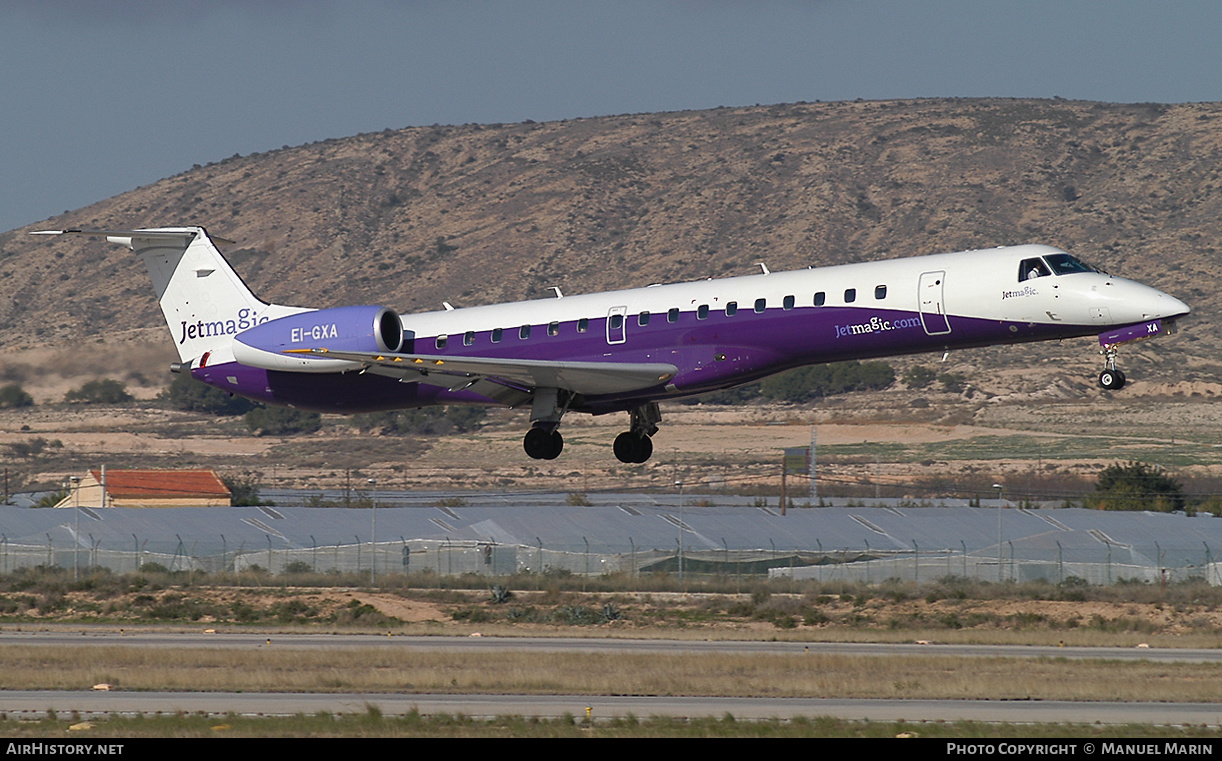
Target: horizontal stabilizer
{"points": [[125, 236]]}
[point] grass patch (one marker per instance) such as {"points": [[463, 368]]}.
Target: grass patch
{"points": [[413, 724], [282, 667]]}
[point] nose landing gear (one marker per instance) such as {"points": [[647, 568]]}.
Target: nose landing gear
{"points": [[1111, 378]]}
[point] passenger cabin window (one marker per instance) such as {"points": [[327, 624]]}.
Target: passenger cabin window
{"points": [[731, 309], [441, 342], [880, 292], [702, 312], [672, 315], [524, 332], [642, 319], [850, 295], [1030, 269], [788, 303], [583, 325], [496, 335], [820, 299], [468, 338], [761, 305], [553, 328]]}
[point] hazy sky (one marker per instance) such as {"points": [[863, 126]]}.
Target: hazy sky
{"points": [[98, 97]]}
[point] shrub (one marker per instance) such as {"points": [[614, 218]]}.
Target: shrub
{"points": [[186, 393], [282, 421], [13, 395], [952, 382], [918, 376], [1137, 486], [105, 391], [422, 422], [243, 491], [806, 384]]}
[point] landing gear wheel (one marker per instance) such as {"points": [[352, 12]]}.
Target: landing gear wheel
{"points": [[1111, 378], [632, 448], [541, 444], [644, 450]]}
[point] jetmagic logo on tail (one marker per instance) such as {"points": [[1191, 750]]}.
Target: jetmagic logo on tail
{"points": [[246, 318]]}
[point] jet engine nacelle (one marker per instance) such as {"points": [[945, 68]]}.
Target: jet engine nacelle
{"points": [[361, 329]]}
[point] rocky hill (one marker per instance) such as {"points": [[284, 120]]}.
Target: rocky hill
{"points": [[476, 214]]}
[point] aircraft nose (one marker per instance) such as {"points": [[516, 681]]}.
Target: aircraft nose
{"points": [[1170, 307]]}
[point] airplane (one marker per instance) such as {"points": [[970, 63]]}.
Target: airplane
{"points": [[626, 351]]}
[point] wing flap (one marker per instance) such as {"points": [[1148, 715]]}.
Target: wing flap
{"points": [[589, 378]]}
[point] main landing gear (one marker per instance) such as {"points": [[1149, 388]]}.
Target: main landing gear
{"points": [[634, 445], [544, 442], [1111, 378]]}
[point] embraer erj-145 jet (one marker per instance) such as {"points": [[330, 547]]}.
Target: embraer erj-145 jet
{"points": [[626, 350]]}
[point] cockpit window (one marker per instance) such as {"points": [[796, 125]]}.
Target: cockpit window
{"points": [[1032, 268], [1066, 264]]}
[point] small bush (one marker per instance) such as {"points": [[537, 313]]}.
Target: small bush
{"points": [[244, 491], [282, 421], [186, 393], [918, 376], [13, 395], [105, 391]]}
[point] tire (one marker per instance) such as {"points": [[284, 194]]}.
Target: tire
{"points": [[1109, 380], [556, 443], [644, 449], [538, 444], [625, 447]]}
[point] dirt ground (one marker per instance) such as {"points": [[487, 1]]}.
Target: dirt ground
{"points": [[715, 447], [1045, 420], [810, 616]]}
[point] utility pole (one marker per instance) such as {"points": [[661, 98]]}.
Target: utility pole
{"points": [[373, 532]]}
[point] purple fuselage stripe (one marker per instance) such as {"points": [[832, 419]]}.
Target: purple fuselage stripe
{"points": [[711, 354]]}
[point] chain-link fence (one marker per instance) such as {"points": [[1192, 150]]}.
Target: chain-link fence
{"points": [[454, 558], [932, 566]]}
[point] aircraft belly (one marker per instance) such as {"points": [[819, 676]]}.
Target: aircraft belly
{"points": [[344, 393]]}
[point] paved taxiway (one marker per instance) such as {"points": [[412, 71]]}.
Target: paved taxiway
{"points": [[223, 640]]}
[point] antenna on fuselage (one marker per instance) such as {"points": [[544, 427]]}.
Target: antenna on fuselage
{"points": [[556, 288], [449, 307], [764, 267]]}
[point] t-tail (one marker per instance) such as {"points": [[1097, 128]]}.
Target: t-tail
{"points": [[204, 301]]}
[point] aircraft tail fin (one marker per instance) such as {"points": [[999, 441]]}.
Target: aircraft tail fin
{"points": [[203, 299]]}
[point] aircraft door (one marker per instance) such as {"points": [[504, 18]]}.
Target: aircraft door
{"points": [[933, 310], [616, 317]]}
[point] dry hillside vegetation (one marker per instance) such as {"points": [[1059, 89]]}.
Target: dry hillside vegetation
{"points": [[484, 213], [476, 214]]}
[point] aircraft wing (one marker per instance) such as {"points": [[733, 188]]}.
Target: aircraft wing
{"points": [[499, 378]]}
